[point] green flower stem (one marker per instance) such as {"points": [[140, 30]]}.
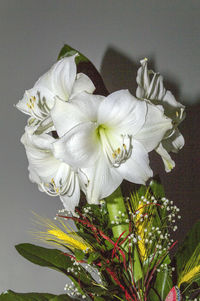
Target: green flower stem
{"points": [[117, 212]]}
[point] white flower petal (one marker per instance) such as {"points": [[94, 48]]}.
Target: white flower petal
{"points": [[154, 129], [122, 111], [103, 180], [167, 160], [142, 79], [42, 142], [83, 108], [58, 81], [150, 84], [65, 115], [62, 76], [136, 169], [78, 147], [52, 175], [81, 84], [70, 201], [40, 157]]}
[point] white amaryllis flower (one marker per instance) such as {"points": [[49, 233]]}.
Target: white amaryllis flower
{"points": [[52, 175], [108, 138], [151, 88], [61, 81]]}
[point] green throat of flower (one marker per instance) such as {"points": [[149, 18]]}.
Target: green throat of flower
{"points": [[117, 148]]}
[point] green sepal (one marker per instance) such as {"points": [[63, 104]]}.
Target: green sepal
{"points": [[13, 296]]}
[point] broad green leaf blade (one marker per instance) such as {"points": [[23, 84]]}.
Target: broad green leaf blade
{"points": [[51, 258], [163, 284], [98, 299], [12, 296], [157, 189], [54, 259], [187, 247], [62, 298], [161, 287], [85, 66], [69, 51]]}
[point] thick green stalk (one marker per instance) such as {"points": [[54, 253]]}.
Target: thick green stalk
{"points": [[117, 213]]}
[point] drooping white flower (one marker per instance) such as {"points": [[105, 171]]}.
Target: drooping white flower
{"points": [[151, 88], [53, 176], [108, 138], [61, 81]]}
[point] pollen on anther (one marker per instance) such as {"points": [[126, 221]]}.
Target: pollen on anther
{"points": [[114, 155]]}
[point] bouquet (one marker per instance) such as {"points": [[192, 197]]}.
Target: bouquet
{"points": [[91, 149]]}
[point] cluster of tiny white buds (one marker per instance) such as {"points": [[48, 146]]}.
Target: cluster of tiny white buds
{"points": [[64, 212], [73, 291], [132, 238], [120, 218]]}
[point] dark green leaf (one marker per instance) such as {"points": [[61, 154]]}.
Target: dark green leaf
{"points": [[79, 254], [142, 191], [187, 247], [12, 296], [54, 259], [98, 299], [93, 257], [157, 189], [161, 287], [69, 51], [51, 258]]}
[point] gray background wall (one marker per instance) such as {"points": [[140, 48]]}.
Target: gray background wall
{"points": [[114, 35]]}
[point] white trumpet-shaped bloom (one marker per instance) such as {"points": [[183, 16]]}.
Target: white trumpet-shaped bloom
{"points": [[52, 175], [61, 81], [108, 138], [151, 88]]}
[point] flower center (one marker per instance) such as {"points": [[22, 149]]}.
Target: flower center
{"points": [[60, 188], [116, 147], [37, 106]]}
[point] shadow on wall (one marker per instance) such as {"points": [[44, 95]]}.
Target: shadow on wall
{"points": [[182, 185]]}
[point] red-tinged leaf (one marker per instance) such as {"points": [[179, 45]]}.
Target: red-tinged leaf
{"points": [[174, 294]]}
